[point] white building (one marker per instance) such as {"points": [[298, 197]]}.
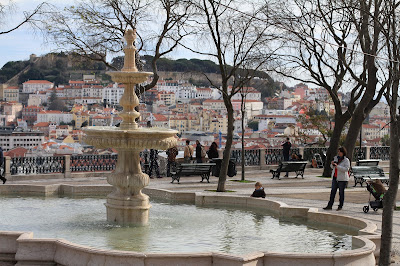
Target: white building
{"points": [[12, 139], [32, 86], [113, 93], [204, 93], [249, 92], [186, 91], [95, 91], [54, 116]]}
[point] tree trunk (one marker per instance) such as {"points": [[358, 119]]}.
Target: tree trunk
{"points": [[389, 201], [243, 151], [340, 121], [354, 132], [228, 146]]}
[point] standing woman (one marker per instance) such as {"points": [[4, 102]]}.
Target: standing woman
{"points": [[340, 177]]}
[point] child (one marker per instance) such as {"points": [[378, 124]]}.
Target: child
{"points": [[259, 191]]}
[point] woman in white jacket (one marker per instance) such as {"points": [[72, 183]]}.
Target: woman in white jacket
{"points": [[340, 177]]}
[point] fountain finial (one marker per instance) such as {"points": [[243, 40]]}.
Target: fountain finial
{"points": [[130, 50]]}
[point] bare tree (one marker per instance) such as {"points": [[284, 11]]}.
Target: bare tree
{"points": [[369, 19], [29, 17], [236, 40], [392, 50], [94, 28], [318, 49]]}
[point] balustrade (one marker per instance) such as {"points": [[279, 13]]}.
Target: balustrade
{"points": [[251, 157], [37, 165], [107, 163], [275, 155], [93, 163], [380, 152]]}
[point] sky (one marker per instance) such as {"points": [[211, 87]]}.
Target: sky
{"points": [[21, 43]]}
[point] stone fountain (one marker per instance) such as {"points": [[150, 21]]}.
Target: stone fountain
{"points": [[127, 205]]}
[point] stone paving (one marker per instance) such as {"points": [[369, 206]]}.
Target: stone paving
{"points": [[312, 191]]}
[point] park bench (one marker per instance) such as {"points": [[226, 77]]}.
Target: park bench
{"points": [[188, 169], [297, 167], [367, 163], [363, 173]]}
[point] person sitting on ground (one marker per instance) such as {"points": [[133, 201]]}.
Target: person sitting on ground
{"points": [[259, 191]]}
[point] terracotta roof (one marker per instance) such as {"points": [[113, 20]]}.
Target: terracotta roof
{"points": [[42, 124], [16, 152], [50, 112], [159, 117], [37, 82], [12, 88], [370, 126]]}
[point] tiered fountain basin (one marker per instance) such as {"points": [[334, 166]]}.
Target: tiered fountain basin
{"points": [[127, 205], [136, 139], [23, 248]]}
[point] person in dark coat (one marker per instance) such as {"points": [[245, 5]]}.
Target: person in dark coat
{"points": [[154, 163], [2, 165], [153, 159], [286, 152], [286, 149], [213, 151], [199, 148], [171, 153], [259, 191]]}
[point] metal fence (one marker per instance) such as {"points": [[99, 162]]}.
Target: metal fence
{"points": [[381, 153], [275, 155], [251, 157], [93, 163], [105, 163], [37, 165]]}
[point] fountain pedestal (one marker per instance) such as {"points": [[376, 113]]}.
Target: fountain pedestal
{"points": [[127, 205]]}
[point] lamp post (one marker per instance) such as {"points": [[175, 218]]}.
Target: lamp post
{"points": [[360, 151]]}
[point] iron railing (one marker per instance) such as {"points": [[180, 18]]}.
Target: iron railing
{"points": [[37, 165], [275, 155], [380, 152], [105, 163], [251, 157], [93, 163]]}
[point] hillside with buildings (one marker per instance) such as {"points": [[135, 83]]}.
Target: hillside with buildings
{"points": [[41, 117]]}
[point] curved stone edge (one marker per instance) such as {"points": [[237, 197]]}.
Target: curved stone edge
{"points": [[31, 251]]}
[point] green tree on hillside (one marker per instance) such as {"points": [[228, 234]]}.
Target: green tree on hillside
{"points": [[56, 103]]}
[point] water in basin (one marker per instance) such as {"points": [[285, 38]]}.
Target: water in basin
{"points": [[172, 228]]}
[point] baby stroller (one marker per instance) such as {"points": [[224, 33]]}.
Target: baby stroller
{"points": [[377, 190]]}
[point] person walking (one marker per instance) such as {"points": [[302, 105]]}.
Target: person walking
{"points": [[153, 159], [213, 151], [188, 152], [286, 152], [200, 153], [171, 153], [340, 176], [154, 164], [2, 166]]}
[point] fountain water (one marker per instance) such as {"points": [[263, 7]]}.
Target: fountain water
{"points": [[127, 204]]}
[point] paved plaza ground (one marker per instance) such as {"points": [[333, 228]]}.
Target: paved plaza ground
{"points": [[312, 191]]}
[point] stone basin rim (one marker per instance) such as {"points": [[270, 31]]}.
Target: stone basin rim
{"points": [[364, 247], [139, 131]]}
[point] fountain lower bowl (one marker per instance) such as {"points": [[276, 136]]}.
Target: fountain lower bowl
{"points": [[23, 247]]}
